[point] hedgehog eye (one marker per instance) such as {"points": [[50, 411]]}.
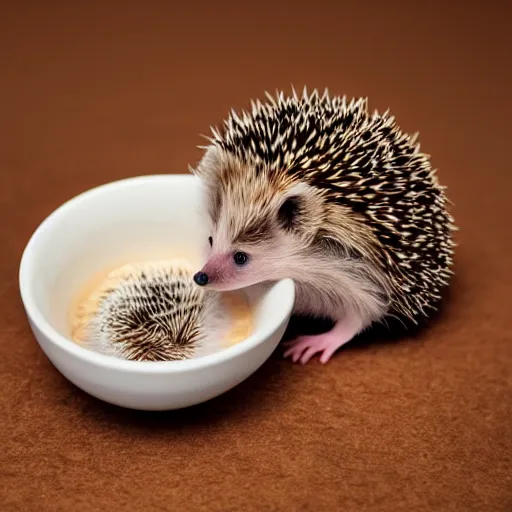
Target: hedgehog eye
{"points": [[210, 241], [240, 258], [288, 211]]}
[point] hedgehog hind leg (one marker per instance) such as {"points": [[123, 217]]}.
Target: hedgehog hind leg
{"points": [[303, 348]]}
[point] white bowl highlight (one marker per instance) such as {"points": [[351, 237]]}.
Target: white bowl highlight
{"points": [[136, 219]]}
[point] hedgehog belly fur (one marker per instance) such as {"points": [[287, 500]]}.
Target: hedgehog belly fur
{"points": [[154, 312]]}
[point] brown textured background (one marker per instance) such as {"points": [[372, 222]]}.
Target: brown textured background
{"points": [[99, 91]]}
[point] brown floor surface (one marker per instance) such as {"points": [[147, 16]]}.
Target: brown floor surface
{"points": [[104, 91]]}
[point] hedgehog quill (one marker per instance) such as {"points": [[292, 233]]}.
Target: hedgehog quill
{"points": [[318, 189]]}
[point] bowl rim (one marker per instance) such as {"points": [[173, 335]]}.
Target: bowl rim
{"points": [[75, 350]]}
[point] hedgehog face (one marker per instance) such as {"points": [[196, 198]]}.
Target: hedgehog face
{"points": [[258, 232]]}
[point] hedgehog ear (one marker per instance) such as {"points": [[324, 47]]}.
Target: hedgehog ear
{"points": [[289, 212], [300, 210]]}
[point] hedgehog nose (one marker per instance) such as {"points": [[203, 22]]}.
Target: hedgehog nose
{"points": [[201, 278]]}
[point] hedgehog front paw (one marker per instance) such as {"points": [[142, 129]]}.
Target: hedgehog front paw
{"points": [[304, 348]]}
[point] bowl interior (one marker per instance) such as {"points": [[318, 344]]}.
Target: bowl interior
{"points": [[139, 219]]}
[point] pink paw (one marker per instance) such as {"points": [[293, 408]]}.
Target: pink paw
{"points": [[304, 348]]}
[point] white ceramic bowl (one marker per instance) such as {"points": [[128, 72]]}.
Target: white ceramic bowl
{"points": [[148, 217]]}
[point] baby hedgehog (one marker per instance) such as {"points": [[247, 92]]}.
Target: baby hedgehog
{"points": [[152, 311], [319, 190]]}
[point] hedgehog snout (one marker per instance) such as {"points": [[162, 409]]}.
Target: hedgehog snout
{"points": [[219, 272]]}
